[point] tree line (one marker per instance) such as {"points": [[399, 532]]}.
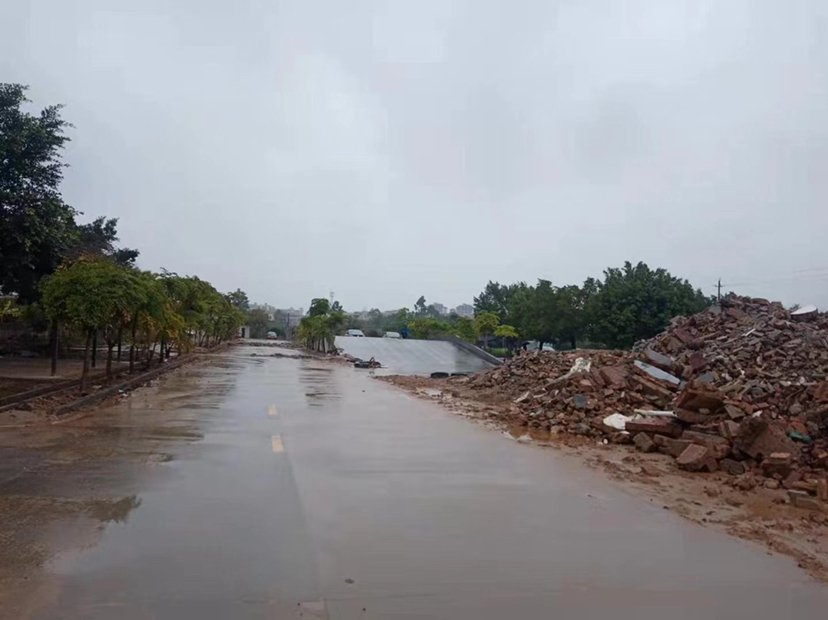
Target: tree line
{"points": [[629, 304], [74, 275]]}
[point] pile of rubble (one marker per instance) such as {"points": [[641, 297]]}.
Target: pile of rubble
{"points": [[741, 387]]}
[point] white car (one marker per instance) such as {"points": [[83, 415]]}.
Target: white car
{"points": [[392, 335], [532, 345], [357, 333]]}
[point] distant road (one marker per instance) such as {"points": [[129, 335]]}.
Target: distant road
{"points": [[412, 357]]}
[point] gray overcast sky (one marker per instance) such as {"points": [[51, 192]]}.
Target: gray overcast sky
{"points": [[385, 150]]}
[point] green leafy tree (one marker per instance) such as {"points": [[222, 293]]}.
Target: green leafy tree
{"points": [[318, 330], [258, 321], [98, 238], [319, 306], [36, 228], [426, 327], [401, 319], [636, 302], [533, 311], [485, 324], [238, 299], [571, 317], [508, 335], [496, 298], [464, 328], [420, 307], [90, 296]]}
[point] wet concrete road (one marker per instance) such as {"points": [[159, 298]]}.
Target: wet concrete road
{"points": [[304, 489], [413, 357]]}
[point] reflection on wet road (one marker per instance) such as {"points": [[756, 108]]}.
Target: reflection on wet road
{"points": [[376, 505]]}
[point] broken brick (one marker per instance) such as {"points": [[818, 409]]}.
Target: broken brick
{"points": [[777, 463], [668, 445], [691, 417], [696, 458], [757, 438], [655, 426], [695, 398], [734, 468], [734, 412], [653, 389], [614, 375], [644, 443], [719, 446], [697, 361]]}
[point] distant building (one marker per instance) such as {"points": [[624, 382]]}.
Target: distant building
{"points": [[290, 316], [441, 309], [466, 310]]}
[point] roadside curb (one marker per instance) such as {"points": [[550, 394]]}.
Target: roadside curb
{"points": [[105, 393], [112, 390], [11, 402]]}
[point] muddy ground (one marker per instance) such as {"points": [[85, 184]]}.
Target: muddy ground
{"points": [[760, 515]]}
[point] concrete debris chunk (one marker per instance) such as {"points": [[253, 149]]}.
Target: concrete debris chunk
{"points": [[658, 360], [801, 499], [657, 373], [616, 421]]}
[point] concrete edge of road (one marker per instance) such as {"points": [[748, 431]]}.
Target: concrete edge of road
{"points": [[473, 349], [110, 390], [13, 400], [132, 382]]}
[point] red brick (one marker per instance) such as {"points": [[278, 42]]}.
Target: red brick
{"points": [[696, 458], [655, 426], [643, 442], [614, 375], [695, 398]]}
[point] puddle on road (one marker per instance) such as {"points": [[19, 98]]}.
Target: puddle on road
{"points": [[523, 433], [116, 511], [321, 383]]}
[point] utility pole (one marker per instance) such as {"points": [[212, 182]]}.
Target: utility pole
{"points": [[719, 290]]}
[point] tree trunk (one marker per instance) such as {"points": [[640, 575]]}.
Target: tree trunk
{"points": [[572, 341], [53, 342], [109, 347], [151, 354], [162, 356], [85, 371], [95, 349], [120, 340], [132, 344]]}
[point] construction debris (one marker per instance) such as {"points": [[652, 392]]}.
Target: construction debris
{"points": [[741, 387]]}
